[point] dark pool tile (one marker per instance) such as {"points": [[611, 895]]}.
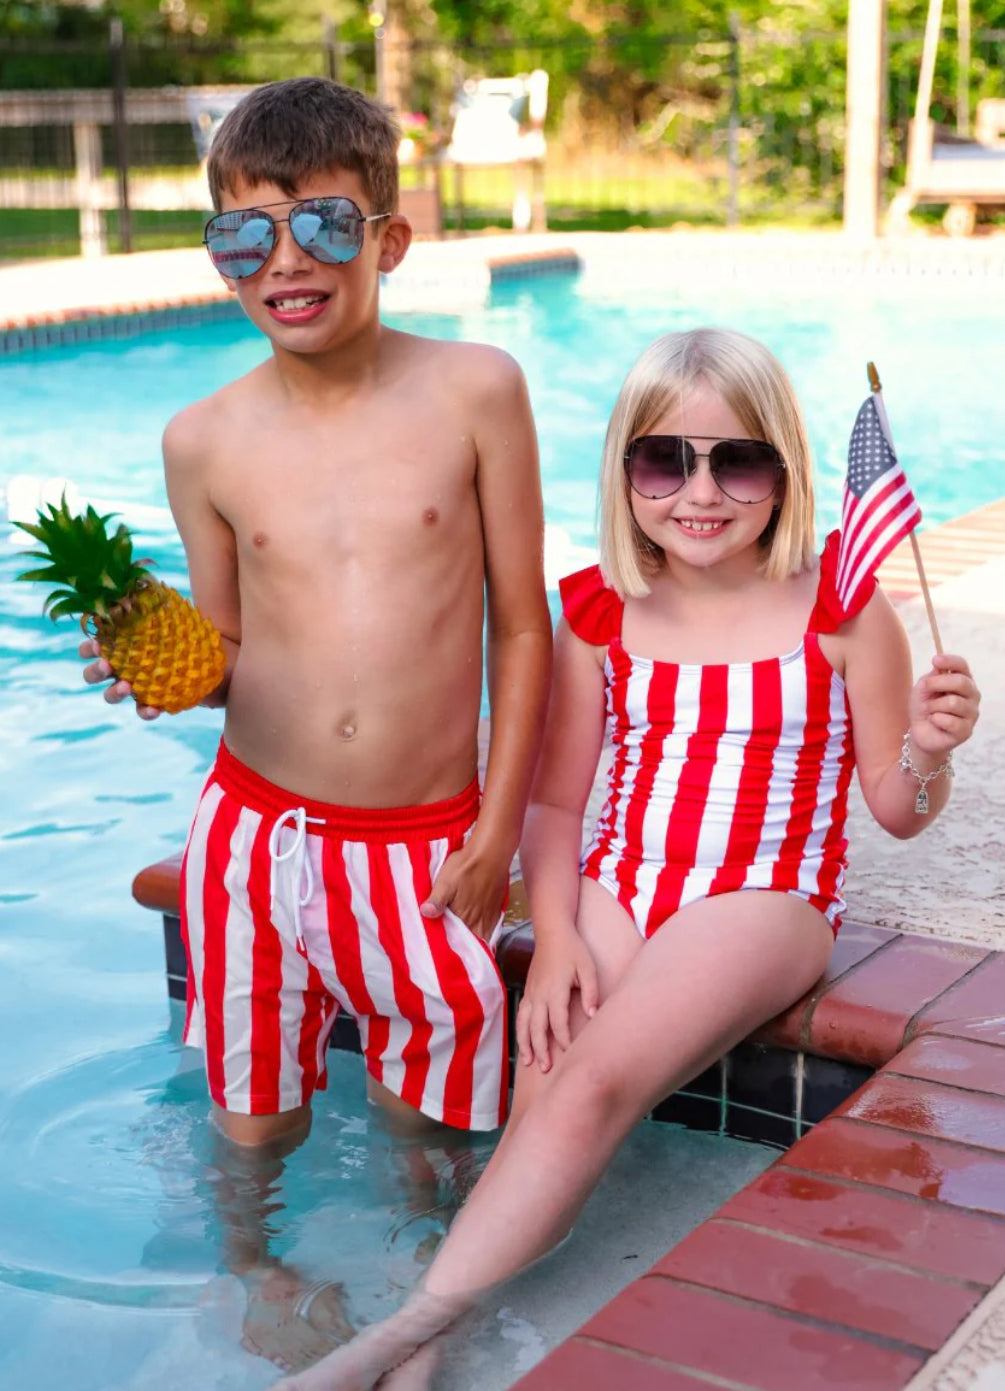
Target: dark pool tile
{"points": [[746, 1123], [177, 987], [516, 948], [175, 956], [957, 1062], [928, 1108], [763, 1077], [696, 1112], [837, 1287], [863, 1018], [711, 1082], [938, 1170], [827, 1083], [579, 1366], [345, 1034], [981, 996], [925, 1236], [710, 1333]]}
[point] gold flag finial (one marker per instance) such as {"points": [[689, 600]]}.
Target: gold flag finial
{"points": [[874, 385]]}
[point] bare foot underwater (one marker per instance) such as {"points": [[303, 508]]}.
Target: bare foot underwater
{"points": [[397, 1354], [290, 1323]]}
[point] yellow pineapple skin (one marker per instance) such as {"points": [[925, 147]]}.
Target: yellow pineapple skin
{"points": [[160, 643]]}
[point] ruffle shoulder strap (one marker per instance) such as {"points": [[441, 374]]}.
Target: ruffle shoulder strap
{"points": [[828, 612], [591, 609]]}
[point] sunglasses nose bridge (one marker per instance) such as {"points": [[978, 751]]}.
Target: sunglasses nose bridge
{"points": [[699, 478], [286, 250]]}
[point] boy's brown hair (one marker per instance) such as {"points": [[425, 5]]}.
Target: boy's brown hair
{"points": [[285, 132]]}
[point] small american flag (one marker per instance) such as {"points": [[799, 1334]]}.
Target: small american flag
{"points": [[879, 508]]}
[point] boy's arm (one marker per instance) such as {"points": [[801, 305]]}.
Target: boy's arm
{"points": [[210, 547], [474, 880], [937, 713]]}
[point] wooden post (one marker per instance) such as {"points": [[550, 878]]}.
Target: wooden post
{"points": [[87, 149], [119, 86], [926, 79], [864, 116], [329, 46], [963, 67]]}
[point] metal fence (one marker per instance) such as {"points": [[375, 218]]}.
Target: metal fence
{"points": [[101, 146]]}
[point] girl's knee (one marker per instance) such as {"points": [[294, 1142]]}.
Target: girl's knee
{"points": [[590, 1095]]}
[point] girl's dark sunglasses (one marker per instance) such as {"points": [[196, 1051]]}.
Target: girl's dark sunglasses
{"points": [[329, 229], [745, 470]]}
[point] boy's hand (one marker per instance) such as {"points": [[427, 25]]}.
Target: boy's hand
{"points": [[561, 963], [473, 886], [118, 691], [944, 706]]}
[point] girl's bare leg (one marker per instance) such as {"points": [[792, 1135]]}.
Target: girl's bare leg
{"points": [[707, 979]]}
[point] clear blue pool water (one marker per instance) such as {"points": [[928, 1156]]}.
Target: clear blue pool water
{"points": [[110, 1233]]}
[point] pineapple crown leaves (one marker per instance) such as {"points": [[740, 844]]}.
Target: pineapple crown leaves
{"points": [[92, 570]]}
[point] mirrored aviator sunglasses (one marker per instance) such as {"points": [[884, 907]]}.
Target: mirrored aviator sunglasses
{"points": [[329, 229], [745, 470]]}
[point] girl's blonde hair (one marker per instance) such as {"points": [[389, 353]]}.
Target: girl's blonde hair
{"points": [[754, 385]]}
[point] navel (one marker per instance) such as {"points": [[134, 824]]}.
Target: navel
{"points": [[347, 730]]}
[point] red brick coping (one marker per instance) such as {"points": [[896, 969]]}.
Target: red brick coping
{"points": [[853, 1258]]}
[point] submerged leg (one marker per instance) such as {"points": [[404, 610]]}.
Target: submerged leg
{"points": [[287, 1320]]}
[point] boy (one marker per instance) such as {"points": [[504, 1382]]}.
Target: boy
{"points": [[346, 509]]}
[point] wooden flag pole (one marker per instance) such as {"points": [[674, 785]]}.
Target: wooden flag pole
{"points": [[877, 390]]}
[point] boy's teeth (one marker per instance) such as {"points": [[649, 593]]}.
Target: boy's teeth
{"points": [[299, 302]]}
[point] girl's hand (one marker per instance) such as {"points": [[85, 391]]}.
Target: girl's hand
{"points": [[944, 706], [560, 965]]}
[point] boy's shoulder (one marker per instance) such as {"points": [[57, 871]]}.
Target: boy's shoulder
{"points": [[193, 432], [479, 366]]}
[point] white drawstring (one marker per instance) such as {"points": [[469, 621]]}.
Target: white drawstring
{"points": [[303, 873]]}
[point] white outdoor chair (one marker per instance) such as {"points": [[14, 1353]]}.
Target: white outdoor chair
{"points": [[500, 120]]}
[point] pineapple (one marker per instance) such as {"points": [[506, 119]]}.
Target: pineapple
{"points": [[148, 633]]}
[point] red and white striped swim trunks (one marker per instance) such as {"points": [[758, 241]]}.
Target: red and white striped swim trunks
{"points": [[293, 909]]}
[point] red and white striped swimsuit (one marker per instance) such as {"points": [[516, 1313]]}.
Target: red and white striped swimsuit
{"points": [[293, 909], [725, 776]]}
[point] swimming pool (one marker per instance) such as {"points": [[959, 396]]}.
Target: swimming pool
{"points": [[110, 1232]]}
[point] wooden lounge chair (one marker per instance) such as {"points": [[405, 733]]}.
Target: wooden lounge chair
{"points": [[945, 166]]}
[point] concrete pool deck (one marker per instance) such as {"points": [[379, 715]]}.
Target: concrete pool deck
{"points": [[450, 275], [872, 1253]]}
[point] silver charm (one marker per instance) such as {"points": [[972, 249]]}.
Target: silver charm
{"points": [[907, 765]]}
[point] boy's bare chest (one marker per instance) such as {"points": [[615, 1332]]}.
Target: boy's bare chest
{"points": [[330, 497]]}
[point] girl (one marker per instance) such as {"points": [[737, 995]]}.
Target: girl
{"points": [[711, 645]]}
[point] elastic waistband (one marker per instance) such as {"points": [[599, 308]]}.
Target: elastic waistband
{"points": [[430, 821]]}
